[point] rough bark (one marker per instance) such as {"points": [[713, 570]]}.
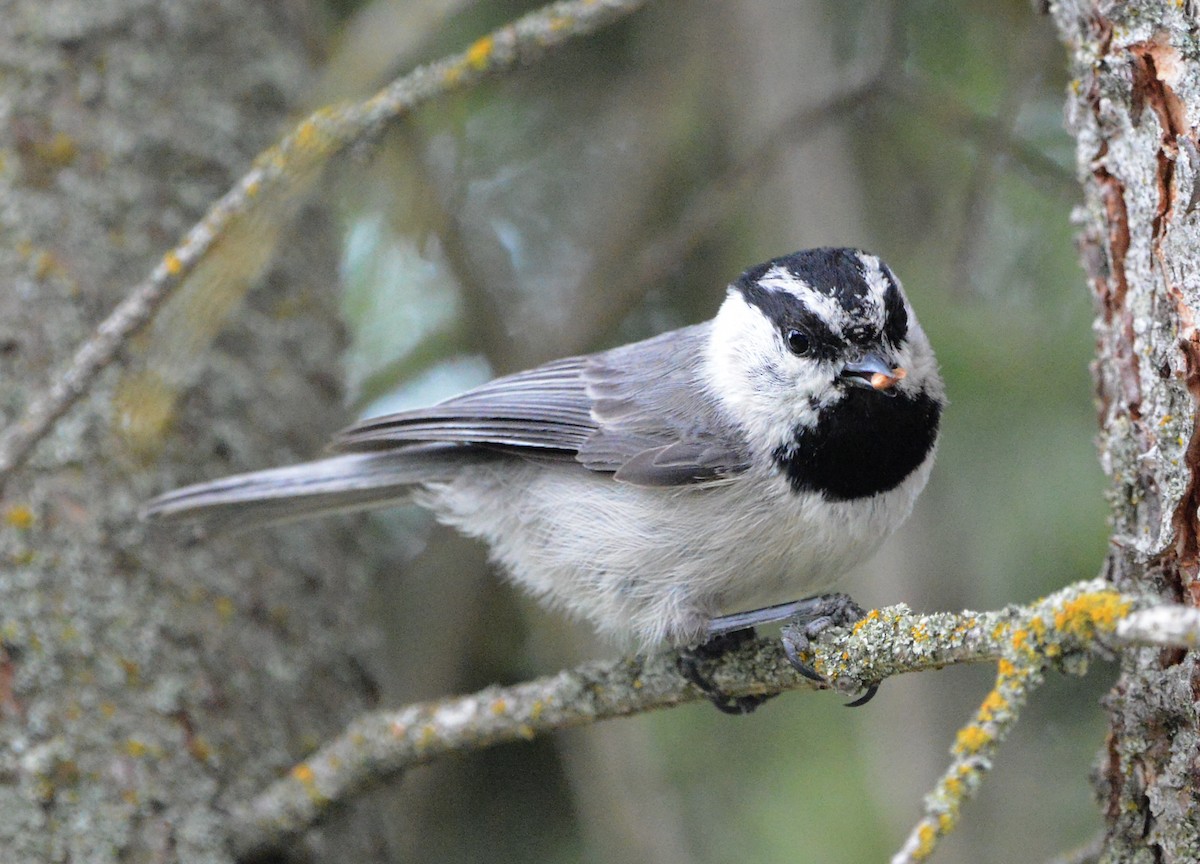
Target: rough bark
{"points": [[1132, 106], [142, 685]]}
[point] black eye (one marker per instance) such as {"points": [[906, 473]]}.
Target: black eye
{"points": [[798, 343]]}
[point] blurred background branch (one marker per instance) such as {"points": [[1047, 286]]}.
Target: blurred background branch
{"points": [[225, 253]]}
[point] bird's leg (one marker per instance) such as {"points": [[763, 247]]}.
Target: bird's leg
{"points": [[692, 659], [806, 620]]}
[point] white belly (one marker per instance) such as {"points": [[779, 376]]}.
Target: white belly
{"points": [[655, 564]]}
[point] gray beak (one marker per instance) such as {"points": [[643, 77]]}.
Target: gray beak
{"points": [[873, 373]]}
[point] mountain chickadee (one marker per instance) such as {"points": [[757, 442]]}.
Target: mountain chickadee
{"points": [[655, 486]]}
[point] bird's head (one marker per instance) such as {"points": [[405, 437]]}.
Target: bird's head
{"points": [[809, 344]]}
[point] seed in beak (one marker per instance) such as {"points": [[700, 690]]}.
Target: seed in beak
{"points": [[882, 381]]}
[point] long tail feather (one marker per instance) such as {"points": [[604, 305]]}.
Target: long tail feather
{"points": [[356, 481]]}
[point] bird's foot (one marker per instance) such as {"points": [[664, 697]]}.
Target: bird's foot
{"points": [[806, 620], [818, 615], [692, 660]]}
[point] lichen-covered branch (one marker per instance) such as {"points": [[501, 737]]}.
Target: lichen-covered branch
{"points": [[1162, 627], [1051, 636], [252, 210], [972, 755], [1060, 630]]}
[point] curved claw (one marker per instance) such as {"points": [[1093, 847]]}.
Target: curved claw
{"points": [[820, 613], [865, 698], [793, 656], [789, 649]]}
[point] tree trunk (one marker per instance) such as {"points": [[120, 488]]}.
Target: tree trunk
{"points": [[142, 684], [1132, 104]]}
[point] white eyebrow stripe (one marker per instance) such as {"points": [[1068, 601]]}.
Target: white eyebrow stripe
{"points": [[781, 279], [824, 306], [877, 280]]}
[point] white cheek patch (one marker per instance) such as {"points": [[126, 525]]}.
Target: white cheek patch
{"points": [[765, 390], [742, 340]]}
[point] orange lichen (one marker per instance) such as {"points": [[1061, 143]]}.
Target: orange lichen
{"points": [[1088, 614], [428, 736], [135, 748], [1019, 638], [62, 149], [306, 777], [133, 672], [306, 133], [479, 53], [19, 516], [971, 739], [1038, 626], [993, 703], [45, 265], [199, 748], [867, 619], [927, 835]]}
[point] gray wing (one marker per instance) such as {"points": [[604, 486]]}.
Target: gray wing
{"points": [[657, 423], [639, 412]]}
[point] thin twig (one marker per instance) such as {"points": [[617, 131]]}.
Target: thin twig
{"points": [[1066, 625], [306, 149], [1162, 627], [974, 750], [1057, 633]]}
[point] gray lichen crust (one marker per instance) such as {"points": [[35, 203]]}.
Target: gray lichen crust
{"points": [[1133, 105]]}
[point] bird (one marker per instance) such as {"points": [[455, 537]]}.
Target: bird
{"points": [[663, 487]]}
